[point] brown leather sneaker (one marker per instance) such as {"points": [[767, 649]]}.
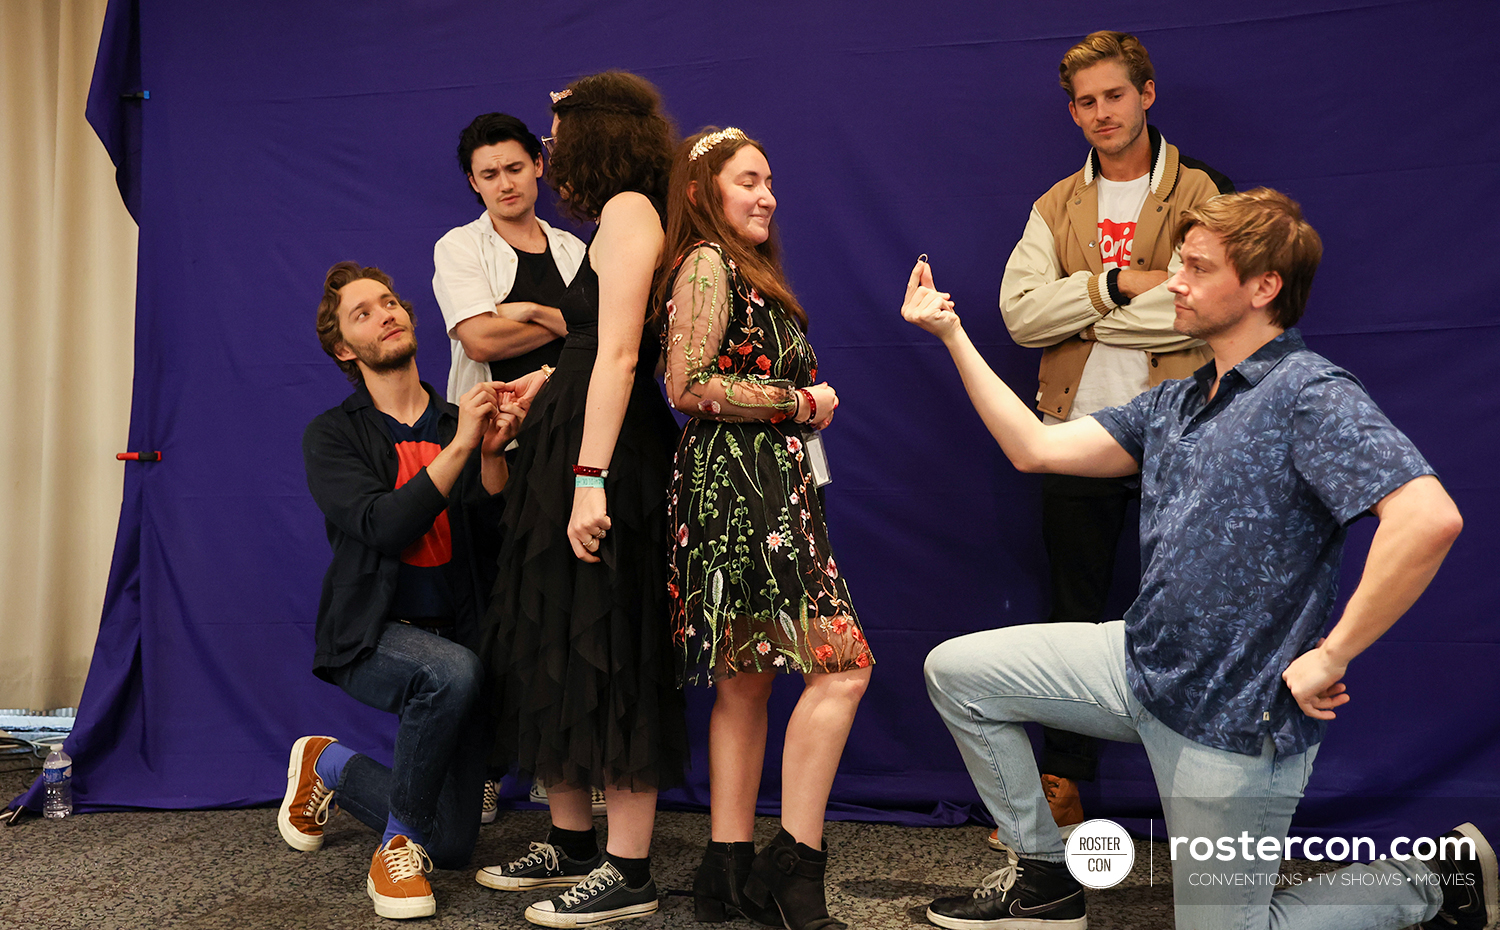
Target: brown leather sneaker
{"points": [[1062, 798], [396, 882], [308, 802]]}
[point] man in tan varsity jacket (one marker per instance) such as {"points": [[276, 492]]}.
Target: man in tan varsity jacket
{"points": [[1086, 285]]}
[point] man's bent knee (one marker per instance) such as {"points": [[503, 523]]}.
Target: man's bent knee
{"points": [[938, 670]]}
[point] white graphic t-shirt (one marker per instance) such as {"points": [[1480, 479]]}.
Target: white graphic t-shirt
{"points": [[1113, 375]]}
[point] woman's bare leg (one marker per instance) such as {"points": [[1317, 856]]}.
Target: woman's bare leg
{"points": [[736, 753], [815, 739], [632, 817], [572, 807]]}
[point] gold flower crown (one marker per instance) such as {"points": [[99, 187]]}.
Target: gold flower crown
{"points": [[713, 139]]}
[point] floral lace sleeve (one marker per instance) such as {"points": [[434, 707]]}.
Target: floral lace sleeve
{"points": [[698, 382]]}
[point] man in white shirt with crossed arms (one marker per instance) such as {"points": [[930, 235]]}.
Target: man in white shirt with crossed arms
{"points": [[498, 279]]}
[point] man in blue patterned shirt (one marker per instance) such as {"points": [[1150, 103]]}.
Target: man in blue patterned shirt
{"points": [[1251, 472]]}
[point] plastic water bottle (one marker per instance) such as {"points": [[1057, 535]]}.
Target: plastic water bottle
{"points": [[57, 778]]}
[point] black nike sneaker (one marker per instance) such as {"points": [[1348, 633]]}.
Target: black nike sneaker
{"points": [[1025, 894], [1466, 866]]}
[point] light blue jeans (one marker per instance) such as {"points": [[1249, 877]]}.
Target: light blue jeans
{"points": [[1072, 676]]}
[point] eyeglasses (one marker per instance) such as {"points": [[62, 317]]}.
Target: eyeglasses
{"points": [[548, 142]]}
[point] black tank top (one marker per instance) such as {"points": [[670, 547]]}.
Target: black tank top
{"points": [[539, 281]]}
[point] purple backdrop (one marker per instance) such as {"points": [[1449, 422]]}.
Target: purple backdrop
{"points": [[281, 137]]}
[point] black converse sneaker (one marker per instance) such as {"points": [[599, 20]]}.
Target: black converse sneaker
{"points": [[1471, 887], [598, 899], [544, 867], [1025, 894]]}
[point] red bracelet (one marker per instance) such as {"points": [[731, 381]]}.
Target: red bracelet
{"points": [[590, 472], [812, 405]]}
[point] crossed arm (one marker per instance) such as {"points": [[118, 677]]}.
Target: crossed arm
{"points": [[1042, 306], [514, 329], [488, 331]]}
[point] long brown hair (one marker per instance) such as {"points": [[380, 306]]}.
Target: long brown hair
{"points": [[612, 136], [691, 220]]}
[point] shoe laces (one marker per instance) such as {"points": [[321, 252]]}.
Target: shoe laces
{"points": [[320, 803], [403, 862], [541, 854], [1000, 881], [597, 881]]}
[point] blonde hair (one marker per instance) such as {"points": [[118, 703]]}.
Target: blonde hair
{"points": [[1262, 231], [1107, 46]]}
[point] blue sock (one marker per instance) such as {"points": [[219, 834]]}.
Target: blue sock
{"points": [[330, 764], [394, 827]]}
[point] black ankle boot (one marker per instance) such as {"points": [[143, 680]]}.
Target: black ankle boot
{"points": [[718, 886], [789, 877]]}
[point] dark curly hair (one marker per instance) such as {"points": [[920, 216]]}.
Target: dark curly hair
{"points": [[612, 136], [329, 334]]}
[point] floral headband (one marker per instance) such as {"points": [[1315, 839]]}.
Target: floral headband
{"points": [[713, 139]]}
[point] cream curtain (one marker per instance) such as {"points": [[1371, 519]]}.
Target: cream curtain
{"points": [[67, 304]]}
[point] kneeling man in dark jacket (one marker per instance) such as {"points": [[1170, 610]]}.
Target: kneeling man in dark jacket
{"points": [[409, 488]]}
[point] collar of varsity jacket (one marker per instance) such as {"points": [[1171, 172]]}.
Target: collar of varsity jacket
{"points": [[1164, 166]]}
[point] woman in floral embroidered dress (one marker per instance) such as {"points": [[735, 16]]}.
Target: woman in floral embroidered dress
{"points": [[754, 584]]}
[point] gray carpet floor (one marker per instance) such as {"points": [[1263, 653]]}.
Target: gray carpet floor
{"points": [[231, 870]]}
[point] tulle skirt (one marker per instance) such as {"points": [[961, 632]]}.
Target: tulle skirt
{"points": [[581, 653]]}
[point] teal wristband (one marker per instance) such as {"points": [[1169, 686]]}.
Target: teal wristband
{"points": [[587, 481]]}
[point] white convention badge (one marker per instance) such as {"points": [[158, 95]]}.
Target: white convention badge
{"points": [[817, 458]]}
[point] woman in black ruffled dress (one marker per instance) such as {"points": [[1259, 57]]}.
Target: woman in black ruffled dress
{"points": [[755, 588], [578, 637]]}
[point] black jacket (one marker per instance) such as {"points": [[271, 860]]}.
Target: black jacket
{"points": [[351, 472]]}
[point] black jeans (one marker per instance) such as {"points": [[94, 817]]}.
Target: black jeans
{"points": [[1082, 519]]}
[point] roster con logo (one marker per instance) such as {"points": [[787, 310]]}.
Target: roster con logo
{"points": [[1099, 854]]}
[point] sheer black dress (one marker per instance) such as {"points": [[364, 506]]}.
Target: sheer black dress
{"points": [[581, 652]]}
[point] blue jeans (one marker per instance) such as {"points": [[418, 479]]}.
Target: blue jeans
{"points": [[435, 784], [1072, 676]]}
